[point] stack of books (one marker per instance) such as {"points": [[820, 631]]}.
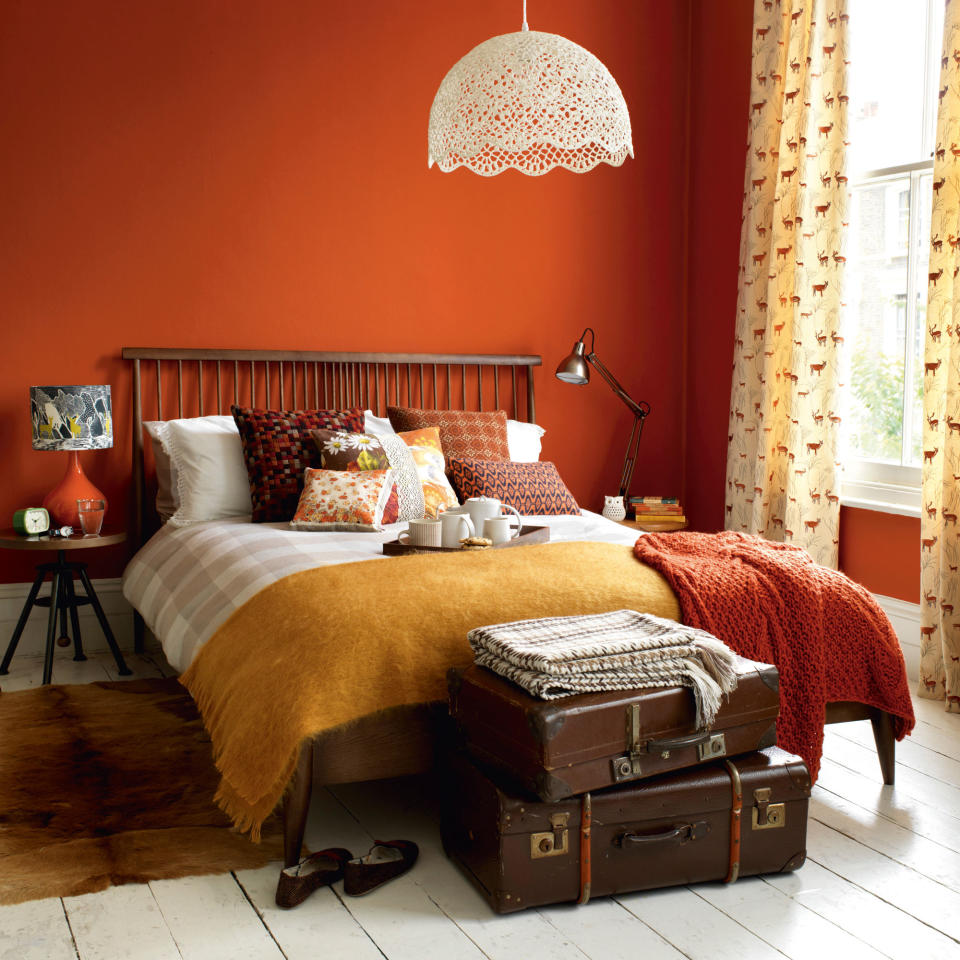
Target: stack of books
{"points": [[657, 509]]}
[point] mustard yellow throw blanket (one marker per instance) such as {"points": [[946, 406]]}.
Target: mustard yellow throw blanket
{"points": [[328, 646]]}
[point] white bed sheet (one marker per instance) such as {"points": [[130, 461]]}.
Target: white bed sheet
{"points": [[187, 581]]}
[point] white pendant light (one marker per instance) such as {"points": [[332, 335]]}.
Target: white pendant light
{"points": [[528, 101]]}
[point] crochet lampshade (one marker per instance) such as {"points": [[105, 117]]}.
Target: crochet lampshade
{"points": [[528, 101], [71, 418]]}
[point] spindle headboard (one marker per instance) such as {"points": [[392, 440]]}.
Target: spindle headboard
{"points": [[191, 382]]}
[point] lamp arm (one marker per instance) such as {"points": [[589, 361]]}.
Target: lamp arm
{"points": [[630, 457], [640, 409]]}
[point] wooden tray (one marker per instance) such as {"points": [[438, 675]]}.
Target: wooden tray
{"points": [[394, 548]]}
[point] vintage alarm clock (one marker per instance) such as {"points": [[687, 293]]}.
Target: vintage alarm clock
{"points": [[31, 521]]}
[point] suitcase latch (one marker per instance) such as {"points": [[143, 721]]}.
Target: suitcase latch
{"points": [[767, 815], [628, 767], [714, 746], [553, 842]]}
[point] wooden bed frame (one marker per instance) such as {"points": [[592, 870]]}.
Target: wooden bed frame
{"points": [[400, 741]]}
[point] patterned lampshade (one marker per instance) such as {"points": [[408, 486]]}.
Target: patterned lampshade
{"points": [[71, 418]]}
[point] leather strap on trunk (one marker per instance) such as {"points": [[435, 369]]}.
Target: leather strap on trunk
{"points": [[736, 812], [586, 869]]}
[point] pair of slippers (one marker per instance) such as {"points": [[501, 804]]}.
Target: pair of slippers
{"points": [[386, 860]]}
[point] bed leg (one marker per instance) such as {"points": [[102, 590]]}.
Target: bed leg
{"points": [[882, 724], [139, 629], [296, 806]]}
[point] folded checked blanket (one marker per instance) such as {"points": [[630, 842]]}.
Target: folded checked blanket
{"points": [[554, 657]]}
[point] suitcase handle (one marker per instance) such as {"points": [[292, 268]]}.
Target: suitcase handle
{"points": [[709, 745], [682, 832], [678, 743]]}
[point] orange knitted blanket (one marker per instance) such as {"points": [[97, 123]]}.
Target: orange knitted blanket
{"points": [[770, 602]]}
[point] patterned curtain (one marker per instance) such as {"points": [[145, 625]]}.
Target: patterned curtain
{"points": [[782, 477], [940, 543]]}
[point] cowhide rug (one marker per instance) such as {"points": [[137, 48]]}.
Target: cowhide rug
{"points": [[110, 783]]}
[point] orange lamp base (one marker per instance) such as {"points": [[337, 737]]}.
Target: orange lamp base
{"points": [[61, 501]]}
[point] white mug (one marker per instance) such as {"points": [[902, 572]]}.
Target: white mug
{"points": [[498, 529], [422, 533], [455, 524], [482, 508]]}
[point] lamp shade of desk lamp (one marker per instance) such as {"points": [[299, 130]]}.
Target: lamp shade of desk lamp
{"points": [[71, 418], [575, 368]]}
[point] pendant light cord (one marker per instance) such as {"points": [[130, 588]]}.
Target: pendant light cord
{"points": [[525, 26]]}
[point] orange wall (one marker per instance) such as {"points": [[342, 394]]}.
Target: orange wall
{"points": [[881, 551], [878, 550], [253, 174]]}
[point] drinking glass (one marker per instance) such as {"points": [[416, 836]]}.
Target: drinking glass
{"points": [[91, 516]]}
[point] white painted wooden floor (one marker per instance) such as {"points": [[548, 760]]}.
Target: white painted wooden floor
{"points": [[882, 880]]}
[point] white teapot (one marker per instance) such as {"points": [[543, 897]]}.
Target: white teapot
{"points": [[484, 508]]}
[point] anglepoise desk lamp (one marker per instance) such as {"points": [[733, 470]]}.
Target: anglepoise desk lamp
{"points": [[576, 369]]}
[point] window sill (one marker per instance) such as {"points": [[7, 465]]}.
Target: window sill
{"points": [[900, 499], [880, 506]]}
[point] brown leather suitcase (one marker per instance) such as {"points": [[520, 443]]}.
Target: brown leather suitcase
{"points": [[561, 748], [727, 819]]}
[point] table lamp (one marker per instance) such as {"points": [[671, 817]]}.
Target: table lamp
{"points": [[576, 369], [71, 418]]}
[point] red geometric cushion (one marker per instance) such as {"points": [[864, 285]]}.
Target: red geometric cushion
{"points": [[277, 447], [463, 433], [530, 488]]}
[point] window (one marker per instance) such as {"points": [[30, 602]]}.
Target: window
{"points": [[895, 55]]}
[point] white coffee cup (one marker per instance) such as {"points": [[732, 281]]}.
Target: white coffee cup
{"points": [[501, 529], [422, 533], [454, 527], [483, 508]]}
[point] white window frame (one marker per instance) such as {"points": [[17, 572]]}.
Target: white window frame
{"points": [[874, 484]]}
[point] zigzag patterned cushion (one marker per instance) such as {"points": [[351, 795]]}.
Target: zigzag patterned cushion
{"points": [[277, 448], [530, 488]]}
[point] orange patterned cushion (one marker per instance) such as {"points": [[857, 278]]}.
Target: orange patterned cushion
{"points": [[427, 454], [530, 488], [343, 499], [463, 433]]}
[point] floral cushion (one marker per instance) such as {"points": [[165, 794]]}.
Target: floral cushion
{"points": [[530, 488], [428, 456], [340, 450], [343, 500], [463, 433], [277, 448]]}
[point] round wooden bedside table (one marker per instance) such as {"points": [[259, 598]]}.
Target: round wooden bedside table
{"points": [[662, 526], [63, 598]]}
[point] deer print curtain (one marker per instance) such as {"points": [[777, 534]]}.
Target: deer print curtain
{"points": [[940, 535], [782, 478]]}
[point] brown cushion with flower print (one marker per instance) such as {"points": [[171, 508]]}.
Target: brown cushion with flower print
{"points": [[343, 450]]}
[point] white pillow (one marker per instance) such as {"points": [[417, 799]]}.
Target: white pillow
{"points": [[379, 426], [206, 459], [523, 439], [167, 500]]}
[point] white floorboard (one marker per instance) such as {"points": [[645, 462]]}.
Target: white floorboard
{"points": [[36, 930], [882, 880], [120, 923]]}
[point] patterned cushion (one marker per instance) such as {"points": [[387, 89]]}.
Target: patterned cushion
{"points": [[364, 451], [277, 448], [463, 433], [530, 488], [343, 500], [428, 456]]}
